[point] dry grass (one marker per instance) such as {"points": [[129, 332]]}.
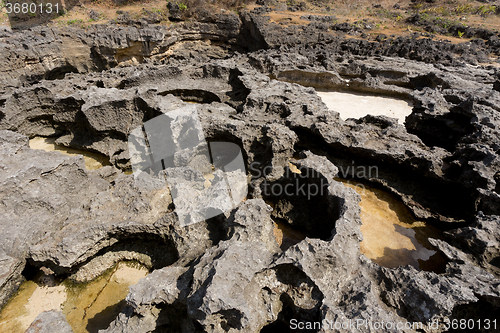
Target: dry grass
{"points": [[191, 7], [385, 19]]}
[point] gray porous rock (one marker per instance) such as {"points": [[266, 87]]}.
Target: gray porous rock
{"points": [[50, 321], [252, 83], [481, 240], [10, 276]]}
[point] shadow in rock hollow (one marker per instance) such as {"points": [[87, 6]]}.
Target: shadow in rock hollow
{"points": [[102, 320], [302, 200]]}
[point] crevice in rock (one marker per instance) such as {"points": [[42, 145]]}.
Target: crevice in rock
{"points": [[443, 201], [193, 95], [278, 326], [217, 229], [497, 181], [58, 73], [30, 271], [290, 314], [298, 198], [175, 318], [476, 315], [286, 235], [239, 93], [151, 250], [98, 59], [443, 131], [428, 80]]}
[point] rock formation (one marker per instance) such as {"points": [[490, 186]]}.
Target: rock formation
{"points": [[91, 88]]}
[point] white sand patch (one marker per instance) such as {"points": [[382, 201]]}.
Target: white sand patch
{"points": [[353, 105], [93, 161], [29, 302], [43, 299]]}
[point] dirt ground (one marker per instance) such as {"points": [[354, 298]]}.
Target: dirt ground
{"points": [[387, 17], [88, 307]]}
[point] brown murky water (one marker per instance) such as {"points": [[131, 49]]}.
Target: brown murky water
{"points": [[88, 307], [286, 235], [93, 161], [392, 236]]}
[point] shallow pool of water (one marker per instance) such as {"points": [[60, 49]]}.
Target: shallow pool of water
{"points": [[93, 161], [88, 307], [392, 236], [355, 105]]}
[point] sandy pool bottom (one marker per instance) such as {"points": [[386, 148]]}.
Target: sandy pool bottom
{"points": [[392, 237], [93, 161], [353, 105], [88, 307]]}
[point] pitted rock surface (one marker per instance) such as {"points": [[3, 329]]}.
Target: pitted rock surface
{"points": [[252, 83]]}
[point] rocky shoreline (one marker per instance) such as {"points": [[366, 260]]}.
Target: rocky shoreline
{"points": [[254, 84]]}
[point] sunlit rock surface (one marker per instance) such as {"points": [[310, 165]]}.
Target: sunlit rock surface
{"points": [[254, 84]]}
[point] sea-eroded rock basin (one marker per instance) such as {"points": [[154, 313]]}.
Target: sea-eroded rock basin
{"points": [[374, 212]]}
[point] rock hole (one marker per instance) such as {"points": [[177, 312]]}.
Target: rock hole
{"points": [[478, 313], [60, 72], [497, 181], [392, 236], [358, 105], [301, 301], [428, 80], [239, 93], [298, 199], [277, 326], [286, 235], [93, 160], [193, 95], [440, 130]]}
